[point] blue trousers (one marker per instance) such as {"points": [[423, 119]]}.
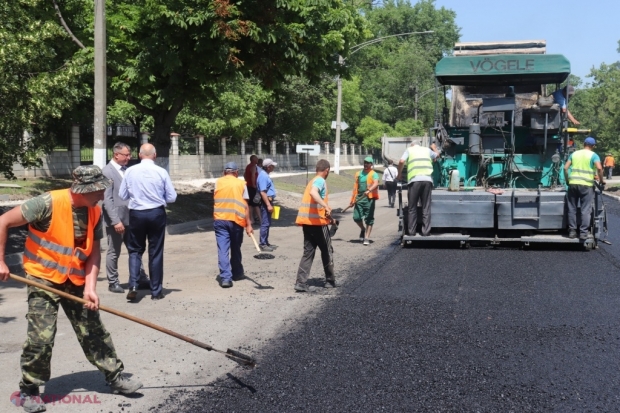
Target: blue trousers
{"points": [[147, 224], [265, 224], [229, 237]]}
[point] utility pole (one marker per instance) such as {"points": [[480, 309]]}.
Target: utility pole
{"points": [[338, 121], [100, 124]]}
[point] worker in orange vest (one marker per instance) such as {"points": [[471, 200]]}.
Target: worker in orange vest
{"points": [[365, 193], [62, 251], [231, 215], [609, 164], [314, 216]]}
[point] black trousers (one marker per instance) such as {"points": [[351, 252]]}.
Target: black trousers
{"points": [[419, 191], [147, 224], [580, 195], [391, 190], [316, 236]]}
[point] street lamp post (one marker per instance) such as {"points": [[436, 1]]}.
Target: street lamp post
{"points": [[100, 127], [341, 60]]}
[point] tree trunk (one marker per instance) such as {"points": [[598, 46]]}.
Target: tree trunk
{"points": [[164, 119], [161, 135]]}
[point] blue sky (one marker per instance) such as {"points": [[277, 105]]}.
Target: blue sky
{"points": [[585, 31]]}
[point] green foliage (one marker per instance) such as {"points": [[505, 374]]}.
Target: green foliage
{"points": [[397, 74], [166, 55], [39, 81], [371, 130], [236, 110], [300, 111], [597, 107], [409, 127]]}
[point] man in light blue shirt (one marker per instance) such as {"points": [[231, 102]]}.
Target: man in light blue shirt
{"points": [[267, 191], [149, 189]]}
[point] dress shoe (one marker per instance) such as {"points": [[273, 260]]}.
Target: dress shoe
{"points": [[133, 293], [115, 288], [238, 277], [158, 296], [226, 284]]}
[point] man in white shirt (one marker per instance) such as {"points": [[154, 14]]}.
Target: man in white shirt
{"points": [[149, 190], [390, 174], [116, 217]]}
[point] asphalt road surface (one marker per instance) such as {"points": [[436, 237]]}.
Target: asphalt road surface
{"points": [[489, 330]]}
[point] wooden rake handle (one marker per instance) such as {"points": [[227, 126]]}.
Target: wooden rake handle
{"points": [[255, 243], [135, 320]]}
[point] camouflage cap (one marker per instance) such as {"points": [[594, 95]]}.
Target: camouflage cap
{"points": [[89, 178]]}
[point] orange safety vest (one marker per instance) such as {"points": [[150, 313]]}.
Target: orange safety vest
{"points": [[228, 200], [369, 181], [52, 255], [310, 212], [609, 161]]}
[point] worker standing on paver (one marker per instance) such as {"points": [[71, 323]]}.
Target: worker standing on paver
{"points": [[609, 165], [314, 216], [365, 193], [63, 252], [231, 215], [579, 172], [419, 162]]}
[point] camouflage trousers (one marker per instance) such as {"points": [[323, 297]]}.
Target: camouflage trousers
{"points": [[42, 317]]}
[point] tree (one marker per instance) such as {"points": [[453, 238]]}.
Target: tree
{"points": [[166, 55], [300, 110], [371, 131], [598, 106], [397, 74], [40, 80], [237, 110]]}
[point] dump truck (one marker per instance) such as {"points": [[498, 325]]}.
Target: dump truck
{"points": [[503, 142]]}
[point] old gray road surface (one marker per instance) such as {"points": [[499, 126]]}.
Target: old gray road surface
{"points": [[447, 330]]}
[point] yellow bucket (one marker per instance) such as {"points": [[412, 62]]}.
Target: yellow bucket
{"points": [[275, 214]]}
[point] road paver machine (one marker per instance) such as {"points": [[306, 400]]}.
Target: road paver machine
{"points": [[504, 141]]}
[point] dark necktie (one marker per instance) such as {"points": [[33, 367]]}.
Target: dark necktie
{"points": [[124, 168]]}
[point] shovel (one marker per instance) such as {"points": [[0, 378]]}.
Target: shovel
{"points": [[342, 211], [233, 355], [261, 256]]}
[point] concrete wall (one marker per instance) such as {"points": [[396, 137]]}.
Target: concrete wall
{"points": [[211, 166], [56, 164], [61, 163]]}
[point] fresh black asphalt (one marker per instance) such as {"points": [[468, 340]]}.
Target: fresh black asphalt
{"points": [[446, 330]]}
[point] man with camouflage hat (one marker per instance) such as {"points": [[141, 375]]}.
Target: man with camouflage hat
{"points": [[67, 260]]}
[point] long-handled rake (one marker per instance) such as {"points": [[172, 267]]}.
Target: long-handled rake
{"points": [[233, 355]]}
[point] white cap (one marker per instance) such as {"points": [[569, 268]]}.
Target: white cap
{"points": [[267, 162]]}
